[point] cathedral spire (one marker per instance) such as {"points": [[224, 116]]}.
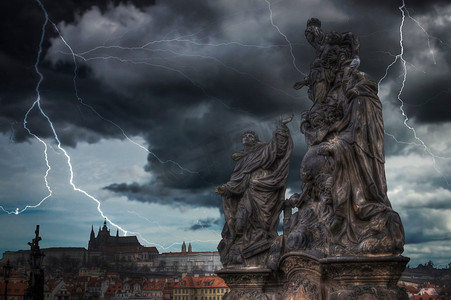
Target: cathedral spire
{"points": [[190, 249], [93, 236], [117, 233], [183, 247], [104, 228]]}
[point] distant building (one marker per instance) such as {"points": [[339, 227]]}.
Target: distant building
{"points": [[117, 248], [200, 288], [158, 288], [68, 255], [106, 250], [56, 289], [105, 240], [17, 284], [189, 262]]}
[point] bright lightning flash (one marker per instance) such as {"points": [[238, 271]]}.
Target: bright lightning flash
{"points": [[400, 57], [285, 37], [37, 104]]}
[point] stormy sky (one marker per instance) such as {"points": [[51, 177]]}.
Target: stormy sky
{"points": [[149, 100]]}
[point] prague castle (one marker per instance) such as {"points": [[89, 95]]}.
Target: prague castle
{"points": [[106, 249], [117, 248], [106, 241]]}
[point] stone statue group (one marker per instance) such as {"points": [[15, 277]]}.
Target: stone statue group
{"points": [[343, 208]]}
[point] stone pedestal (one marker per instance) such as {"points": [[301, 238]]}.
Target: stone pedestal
{"points": [[310, 276], [251, 284]]}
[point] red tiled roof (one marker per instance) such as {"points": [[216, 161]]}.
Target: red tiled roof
{"points": [[94, 282], [412, 289], [113, 288], [201, 282], [14, 288]]}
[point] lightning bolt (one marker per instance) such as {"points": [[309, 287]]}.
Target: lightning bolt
{"points": [[181, 40], [82, 56], [400, 57], [74, 79], [37, 104], [424, 30], [145, 218], [285, 37]]}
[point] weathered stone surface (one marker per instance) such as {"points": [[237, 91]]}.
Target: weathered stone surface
{"points": [[251, 284], [345, 240], [302, 276], [253, 198], [344, 187], [310, 276]]}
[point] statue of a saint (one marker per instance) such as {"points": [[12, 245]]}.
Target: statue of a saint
{"points": [[331, 49], [253, 197], [343, 175]]}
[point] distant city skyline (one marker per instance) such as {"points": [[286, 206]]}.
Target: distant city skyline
{"points": [[159, 94]]}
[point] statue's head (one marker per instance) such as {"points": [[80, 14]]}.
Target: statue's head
{"points": [[313, 22], [313, 30], [249, 138]]}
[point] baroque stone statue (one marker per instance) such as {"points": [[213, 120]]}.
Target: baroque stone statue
{"points": [[343, 207], [254, 196], [345, 240]]}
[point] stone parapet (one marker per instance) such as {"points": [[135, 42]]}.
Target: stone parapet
{"points": [[251, 284], [310, 276]]}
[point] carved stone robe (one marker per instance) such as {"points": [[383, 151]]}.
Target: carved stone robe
{"points": [[360, 188], [255, 194]]}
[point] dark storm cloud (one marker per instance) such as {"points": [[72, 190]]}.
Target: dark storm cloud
{"points": [[205, 164], [429, 101], [190, 100], [389, 4], [415, 237], [155, 193], [425, 225], [20, 31], [205, 224], [426, 97]]}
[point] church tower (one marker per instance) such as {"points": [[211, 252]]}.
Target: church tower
{"points": [[93, 236], [183, 247], [92, 239]]}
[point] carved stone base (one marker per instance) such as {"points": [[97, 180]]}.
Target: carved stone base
{"points": [[310, 276], [251, 284]]}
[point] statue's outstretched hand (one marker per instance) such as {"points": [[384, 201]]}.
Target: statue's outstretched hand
{"points": [[299, 85], [287, 120], [221, 190]]}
